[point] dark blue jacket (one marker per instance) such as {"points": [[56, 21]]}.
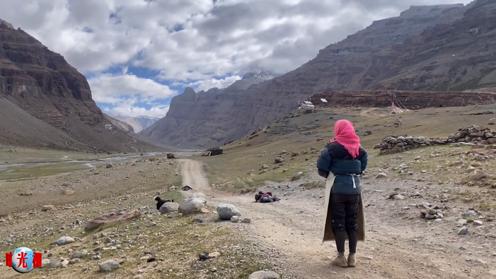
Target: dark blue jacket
{"points": [[335, 159]]}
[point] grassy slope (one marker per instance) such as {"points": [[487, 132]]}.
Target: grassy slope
{"points": [[239, 169]]}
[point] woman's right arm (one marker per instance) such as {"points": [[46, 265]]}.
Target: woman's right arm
{"points": [[324, 163]]}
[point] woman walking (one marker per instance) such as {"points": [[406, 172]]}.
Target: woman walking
{"points": [[346, 160]]}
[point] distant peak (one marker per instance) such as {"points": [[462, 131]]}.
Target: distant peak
{"points": [[189, 91], [5, 24], [251, 78]]}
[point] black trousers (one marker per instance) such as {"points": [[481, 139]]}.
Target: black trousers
{"points": [[344, 220]]}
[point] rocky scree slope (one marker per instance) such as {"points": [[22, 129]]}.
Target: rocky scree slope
{"points": [[52, 93], [444, 47]]}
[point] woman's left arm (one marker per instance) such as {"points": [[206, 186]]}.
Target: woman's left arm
{"points": [[324, 163], [364, 158]]}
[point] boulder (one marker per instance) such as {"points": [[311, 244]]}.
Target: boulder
{"points": [[192, 205], [264, 275], [63, 240], [227, 211], [108, 265], [79, 254], [169, 207]]}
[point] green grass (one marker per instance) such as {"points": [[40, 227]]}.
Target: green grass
{"points": [[30, 172]]}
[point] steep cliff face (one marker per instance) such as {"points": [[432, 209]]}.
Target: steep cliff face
{"points": [[446, 47], [44, 85]]}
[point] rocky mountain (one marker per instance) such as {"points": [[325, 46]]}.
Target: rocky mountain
{"points": [[138, 124], [186, 117], [120, 124], [442, 47], [47, 103]]}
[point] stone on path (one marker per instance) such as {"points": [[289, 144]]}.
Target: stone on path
{"points": [[192, 205], [227, 211]]}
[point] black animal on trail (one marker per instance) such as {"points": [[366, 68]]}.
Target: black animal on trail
{"points": [[160, 202]]}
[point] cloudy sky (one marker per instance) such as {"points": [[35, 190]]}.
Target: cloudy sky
{"points": [[137, 54]]}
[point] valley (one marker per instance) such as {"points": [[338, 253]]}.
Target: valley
{"points": [[284, 236], [106, 161]]}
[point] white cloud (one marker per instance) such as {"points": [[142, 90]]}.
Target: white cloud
{"points": [[129, 108], [108, 88], [190, 42], [195, 39], [129, 95]]}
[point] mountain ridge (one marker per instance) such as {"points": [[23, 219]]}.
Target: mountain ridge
{"points": [[413, 51], [45, 86]]}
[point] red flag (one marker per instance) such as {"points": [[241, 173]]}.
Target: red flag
{"points": [[37, 260], [8, 259]]}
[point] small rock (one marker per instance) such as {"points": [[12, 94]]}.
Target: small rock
{"points": [[227, 211], [109, 166], [109, 265], [64, 263], [48, 207], [68, 192], [478, 223], [396, 196], [51, 263], [278, 160], [169, 207], [64, 240], [264, 275], [246, 221], [235, 219], [192, 205], [470, 214], [79, 254], [381, 175], [214, 255], [186, 188], [463, 231], [206, 256]]}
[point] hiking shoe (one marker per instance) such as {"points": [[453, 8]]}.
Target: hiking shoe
{"points": [[351, 260], [340, 260]]}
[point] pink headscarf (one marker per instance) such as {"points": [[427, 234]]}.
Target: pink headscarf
{"points": [[344, 134]]}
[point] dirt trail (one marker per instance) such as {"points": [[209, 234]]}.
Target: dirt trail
{"points": [[395, 247]]}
